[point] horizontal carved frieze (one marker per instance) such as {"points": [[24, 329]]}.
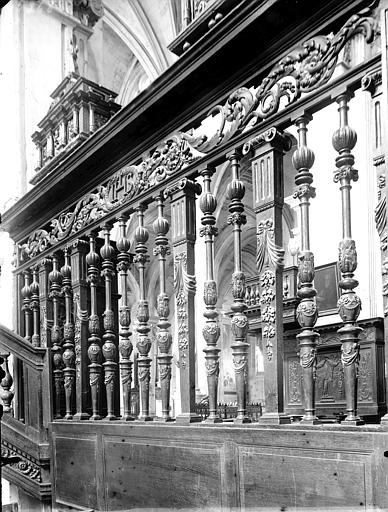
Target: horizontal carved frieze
{"points": [[303, 70]]}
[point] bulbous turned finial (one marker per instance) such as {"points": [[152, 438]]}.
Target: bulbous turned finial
{"points": [[123, 244], [303, 159], [107, 251], [92, 258], [344, 138], [236, 190]]}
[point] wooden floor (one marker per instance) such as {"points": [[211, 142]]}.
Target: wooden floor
{"points": [[128, 466]]}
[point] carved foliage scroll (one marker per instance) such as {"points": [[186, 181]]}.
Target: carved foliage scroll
{"points": [[184, 284]]}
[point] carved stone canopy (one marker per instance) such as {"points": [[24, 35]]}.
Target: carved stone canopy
{"points": [[79, 108]]}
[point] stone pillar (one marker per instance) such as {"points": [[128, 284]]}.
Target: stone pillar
{"points": [[183, 224], [267, 150]]}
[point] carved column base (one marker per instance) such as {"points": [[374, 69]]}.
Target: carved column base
{"points": [[81, 416], [95, 417], [384, 422], [309, 420], [187, 418], [274, 418], [242, 419], [354, 421]]}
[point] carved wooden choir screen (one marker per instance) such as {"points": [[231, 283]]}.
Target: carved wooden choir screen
{"points": [[73, 279]]}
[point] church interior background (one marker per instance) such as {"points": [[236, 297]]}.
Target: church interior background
{"points": [[193, 255]]}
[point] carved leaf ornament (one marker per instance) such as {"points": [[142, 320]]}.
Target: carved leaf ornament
{"points": [[304, 69]]}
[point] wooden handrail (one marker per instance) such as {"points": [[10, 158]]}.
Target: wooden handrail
{"points": [[18, 346]]}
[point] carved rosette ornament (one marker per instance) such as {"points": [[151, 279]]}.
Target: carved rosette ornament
{"points": [[349, 304], [109, 349], [124, 261], [306, 312], [68, 335], [236, 192], [144, 342], [211, 330], [94, 350], [163, 336], [55, 278]]}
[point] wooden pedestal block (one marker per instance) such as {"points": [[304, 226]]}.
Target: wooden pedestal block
{"points": [[329, 384]]}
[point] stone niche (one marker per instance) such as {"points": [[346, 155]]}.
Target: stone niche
{"points": [[329, 384]]}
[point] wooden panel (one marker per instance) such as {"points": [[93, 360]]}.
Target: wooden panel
{"points": [[76, 465], [306, 481], [182, 476]]}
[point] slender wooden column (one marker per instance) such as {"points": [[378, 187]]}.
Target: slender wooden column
{"points": [[94, 350], [80, 289], [163, 336], [144, 342], [46, 316], [267, 152], [349, 304], [307, 312], [237, 218], [55, 293], [26, 294], [211, 331], [68, 335], [125, 344], [109, 348], [34, 305], [182, 195]]}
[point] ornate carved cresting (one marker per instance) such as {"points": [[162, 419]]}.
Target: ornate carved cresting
{"points": [[124, 261], [34, 305], [211, 330], [94, 350], [349, 304], [306, 312], [109, 349], [26, 295], [237, 218], [56, 337], [144, 342], [163, 336], [68, 335], [307, 67], [6, 394]]}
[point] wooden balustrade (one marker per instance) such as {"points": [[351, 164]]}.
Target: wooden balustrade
{"points": [[58, 301]]}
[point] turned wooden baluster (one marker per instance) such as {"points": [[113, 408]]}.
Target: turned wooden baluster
{"points": [[6, 394], [143, 315], [125, 345], [211, 330], [237, 218], [94, 350], [34, 305], [55, 294], [68, 336], [26, 294], [163, 336], [349, 304], [109, 348], [306, 312]]}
